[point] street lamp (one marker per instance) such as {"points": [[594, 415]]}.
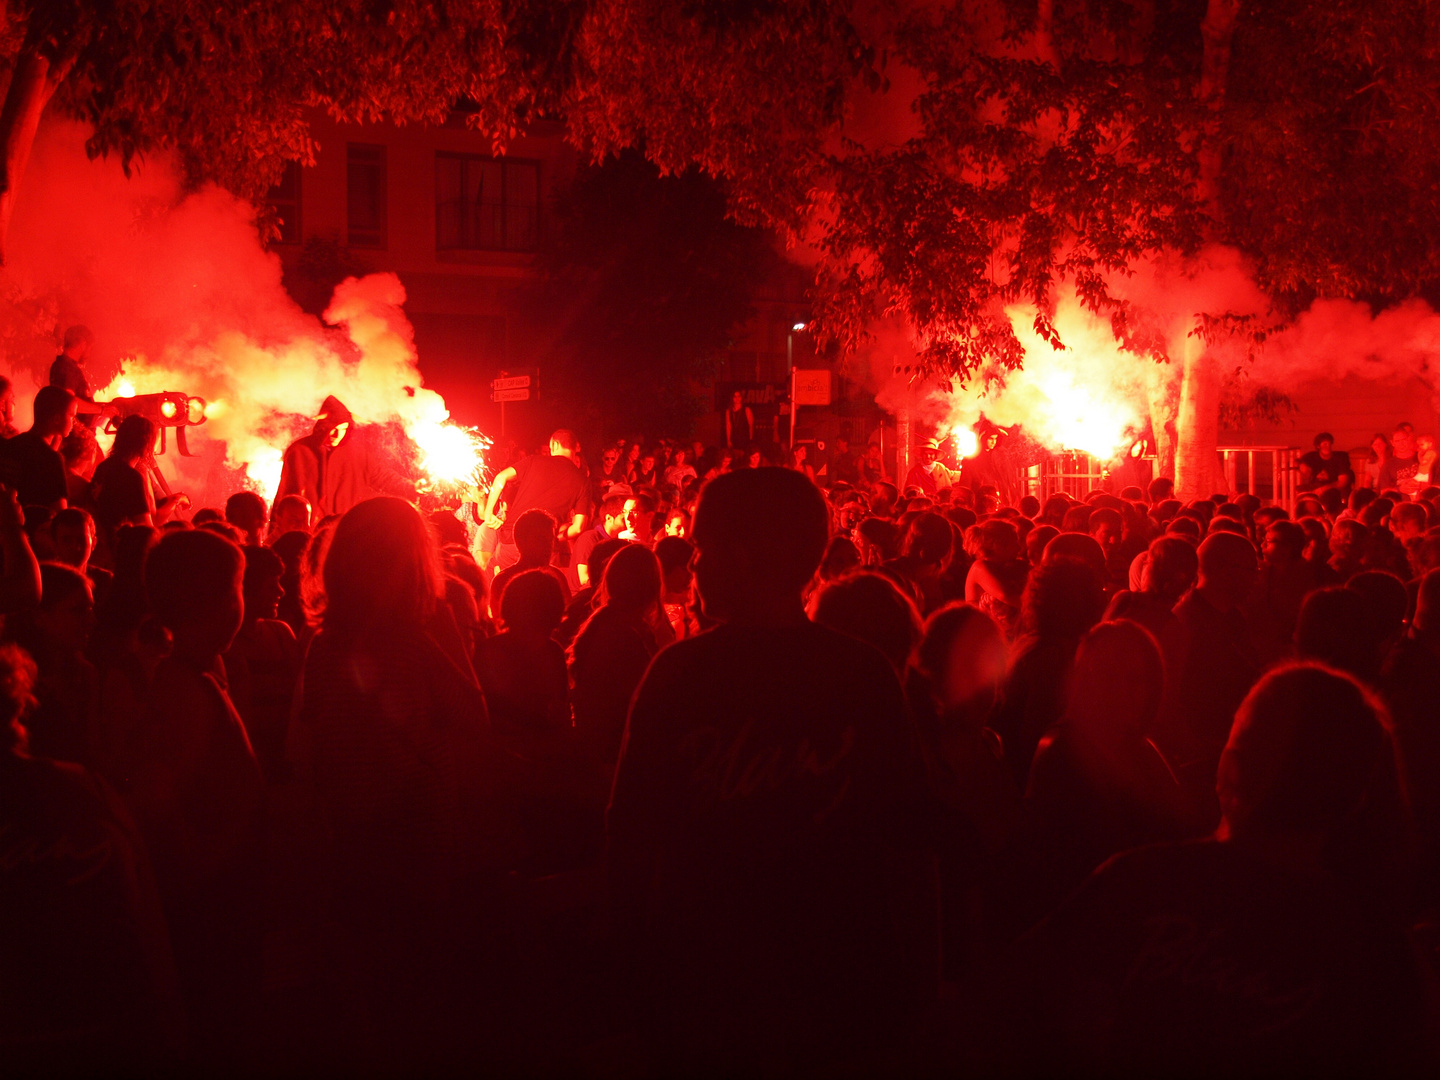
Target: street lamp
{"points": [[795, 328]]}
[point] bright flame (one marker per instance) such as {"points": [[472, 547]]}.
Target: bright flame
{"points": [[1081, 418], [967, 444], [1088, 397], [261, 397], [264, 472], [451, 455]]}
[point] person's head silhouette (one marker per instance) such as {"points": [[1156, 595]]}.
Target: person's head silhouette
{"points": [[1310, 755], [533, 604], [382, 568], [194, 581], [869, 607], [535, 537], [1116, 683], [759, 536], [632, 580]]}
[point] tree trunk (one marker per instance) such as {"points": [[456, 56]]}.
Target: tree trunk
{"points": [[33, 82], [1197, 474], [1198, 423], [1163, 396]]}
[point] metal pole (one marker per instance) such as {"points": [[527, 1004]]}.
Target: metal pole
{"points": [[790, 370], [502, 420]]}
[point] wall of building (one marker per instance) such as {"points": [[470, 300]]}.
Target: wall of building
{"points": [[462, 303], [1353, 409]]}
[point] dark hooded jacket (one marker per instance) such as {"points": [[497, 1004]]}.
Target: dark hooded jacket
{"points": [[333, 479]]}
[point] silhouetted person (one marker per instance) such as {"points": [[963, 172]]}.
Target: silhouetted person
{"points": [[62, 723], [675, 553], [1410, 683], [522, 670], [550, 482], [291, 514], [1348, 540], [73, 533], [1333, 629], [1220, 663], [610, 523], [291, 549], [761, 824], [1062, 601], [1078, 547], [995, 582], [31, 461], [868, 607], [264, 661], [335, 467], [583, 602], [390, 737], [89, 984], [246, 510], [196, 790], [953, 686], [1099, 785], [1275, 948], [613, 649], [121, 488], [1387, 602], [925, 554], [1285, 577], [534, 540]]}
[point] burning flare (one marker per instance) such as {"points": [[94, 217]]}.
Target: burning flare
{"points": [[452, 456], [261, 396], [1089, 396]]}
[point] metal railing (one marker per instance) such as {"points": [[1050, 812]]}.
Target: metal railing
{"points": [[1269, 472]]}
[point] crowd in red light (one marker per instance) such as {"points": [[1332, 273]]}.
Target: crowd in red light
{"points": [[667, 768]]}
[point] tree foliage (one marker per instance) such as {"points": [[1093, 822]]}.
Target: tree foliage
{"points": [[1056, 139]]}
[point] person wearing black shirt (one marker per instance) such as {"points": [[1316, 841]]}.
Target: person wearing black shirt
{"points": [[1322, 467], [764, 851], [553, 483], [609, 527], [68, 371], [845, 467], [31, 460]]}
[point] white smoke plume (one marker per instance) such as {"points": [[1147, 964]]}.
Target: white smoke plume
{"points": [[182, 296], [1093, 395]]}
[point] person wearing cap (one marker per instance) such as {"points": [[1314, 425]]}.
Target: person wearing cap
{"points": [[1322, 467], [930, 474], [334, 467]]}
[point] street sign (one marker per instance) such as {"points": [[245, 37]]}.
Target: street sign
{"points": [[811, 387], [512, 382], [521, 393]]}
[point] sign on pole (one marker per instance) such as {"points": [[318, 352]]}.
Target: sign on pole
{"points": [[514, 386], [811, 387]]}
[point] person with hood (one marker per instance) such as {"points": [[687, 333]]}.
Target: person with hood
{"points": [[335, 467]]}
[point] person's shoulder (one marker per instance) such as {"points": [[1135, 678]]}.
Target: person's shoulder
{"points": [[277, 628], [21, 443], [66, 783]]}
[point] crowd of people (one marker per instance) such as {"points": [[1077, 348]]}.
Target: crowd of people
{"points": [[688, 764]]}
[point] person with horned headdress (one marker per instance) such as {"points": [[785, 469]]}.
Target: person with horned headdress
{"points": [[335, 466]]}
